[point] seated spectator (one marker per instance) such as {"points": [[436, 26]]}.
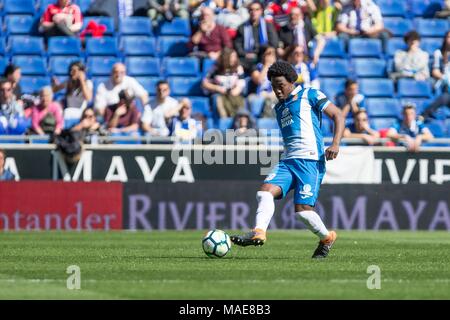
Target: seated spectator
{"points": [[161, 10], [13, 74], [226, 80], [153, 121], [89, 127], [62, 18], [253, 36], [47, 116], [278, 12], [168, 105], [324, 16], [243, 122], [118, 9], [441, 73], [412, 63], [307, 74], [445, 11], [360, 129], [210, 38], [361, 19], [260, 88], [231, 14], [350, 101], [298, 31], [108, 92], [122, 118], [184, 126], [5, 174], [410, 132], [79, 91], [12, 119]]}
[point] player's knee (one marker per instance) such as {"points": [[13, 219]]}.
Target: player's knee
{"points": [[303, 207], [262, 195], [274, 190]]}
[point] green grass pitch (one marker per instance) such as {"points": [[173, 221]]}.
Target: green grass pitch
{"points": [[172, 265]]}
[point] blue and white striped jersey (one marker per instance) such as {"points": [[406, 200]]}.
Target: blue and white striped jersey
{"points": [[299, 118]]}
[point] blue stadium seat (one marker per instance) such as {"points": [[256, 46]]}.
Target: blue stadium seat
{"points": [[334, 48], [382, 107], [425, 8], [200, 105], [105, 46], [430, 45], [373, 88], [332, 87], [188, 67], [414, 89], [365, 48], [43, 4], [420, 103], [19, 24], [101, 66], [107, 21], [84, 4], [18, 7], [172, 46], [393, 45], [31, 65], [177, 27], [59, 65], [267, 123], [392, 8], [398, 26], [142, 66], [225, 123], [207, 65], [437, 128], [97, 80], [149, 84], [32, 85], [185, 86], [2, 46], [136, 26], [3, 64], [333, 68], [369, 68], [61, 46], [24, 45], [138, 46], [431, 27], [383, 123]]}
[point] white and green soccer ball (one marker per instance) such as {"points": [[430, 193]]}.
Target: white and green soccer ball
{"points": [[216, 243]]}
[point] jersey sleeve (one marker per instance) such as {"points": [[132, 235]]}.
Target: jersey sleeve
{"points": [[317, 99]]}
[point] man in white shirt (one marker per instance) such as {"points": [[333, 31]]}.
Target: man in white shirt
{"points": [[163, 101], [108, 92]]}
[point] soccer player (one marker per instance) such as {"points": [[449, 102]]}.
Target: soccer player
{"points": [[302, 167]]}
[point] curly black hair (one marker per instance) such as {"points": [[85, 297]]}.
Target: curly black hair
{"points": [[282, 69]]}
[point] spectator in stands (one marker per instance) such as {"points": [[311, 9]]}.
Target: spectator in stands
{"points": [[118, 9], [210, 38], [79, 91], [441, 73], [47, 116], [253, 36], [62, 18], [163, 102], [307, 74], [12, 119], [89, 126], [410, 132], [412, 63], [108, 92], [5, 174], [360, 128], [260, 87], [161, 10], [243, 122], [184, 126], [278, 12], [231, 14], [350, 101], [298, 31], [445, 11], [122, 118], [323, 18], [153, 121], [226, 80], [13, 74], [361, 19]]}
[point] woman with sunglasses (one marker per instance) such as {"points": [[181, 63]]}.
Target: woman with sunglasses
{"points": [[88, 125]]}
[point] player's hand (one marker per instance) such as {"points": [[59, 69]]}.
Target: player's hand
{"points": [[331, 152]]}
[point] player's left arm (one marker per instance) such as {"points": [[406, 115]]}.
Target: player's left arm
{"points": [[339, 125]]}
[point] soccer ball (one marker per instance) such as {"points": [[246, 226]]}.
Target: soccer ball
{"points": [[216, 243]]}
